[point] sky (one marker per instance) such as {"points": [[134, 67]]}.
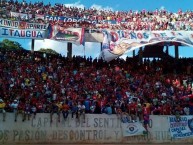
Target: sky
{"points": [[93, 49]]}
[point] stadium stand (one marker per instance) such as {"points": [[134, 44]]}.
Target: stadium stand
{"points": [[125, 20], [55, 83]]}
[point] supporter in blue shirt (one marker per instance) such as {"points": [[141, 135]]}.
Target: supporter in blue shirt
{"points": [[109, 109], [87, 105]]}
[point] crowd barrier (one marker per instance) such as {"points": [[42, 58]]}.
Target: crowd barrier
{"points": [[97, 128]]}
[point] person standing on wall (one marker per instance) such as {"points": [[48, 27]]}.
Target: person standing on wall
{"points": [[81, 110], [54, 108], [146, 113], [74, 110], [21, 110], [14, 106], [18, 108], [27, 110], [65, 110], [34, 110]]}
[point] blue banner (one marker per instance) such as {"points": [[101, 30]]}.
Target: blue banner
{"points": [[22, 33], [181, 126]]}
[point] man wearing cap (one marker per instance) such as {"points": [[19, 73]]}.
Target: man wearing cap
{"points": [[2, 110]]}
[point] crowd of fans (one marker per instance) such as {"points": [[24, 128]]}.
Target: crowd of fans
{"points": [[125, 20], [33, 83]]}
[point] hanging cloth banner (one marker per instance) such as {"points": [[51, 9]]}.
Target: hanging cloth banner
{"points": [[181, 127], [117, 43], [73, 35], [25, 33], [132, 129], [67, 19], [21, 16], [22, 25]]}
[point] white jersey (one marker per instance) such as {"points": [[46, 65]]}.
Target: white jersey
{"points": [[14, 105], [81, 107], [33, 109]]}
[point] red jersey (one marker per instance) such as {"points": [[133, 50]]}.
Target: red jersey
{"points": [[132, 107], [146, 110], [166, 109]]}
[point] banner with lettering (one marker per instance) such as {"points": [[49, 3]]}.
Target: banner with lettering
{"points": [[116, 43], [181, 127], [25, 33], [21, 16], [67, 19], [132, 128], [60, 33], [22, 25]]}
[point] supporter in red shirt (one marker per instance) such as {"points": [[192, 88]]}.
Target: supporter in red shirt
{"points": [[40, 107], [166, 109], [146, 113], [132, 109]]}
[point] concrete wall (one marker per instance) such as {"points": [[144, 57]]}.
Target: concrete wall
{"points": [[97, 129]]}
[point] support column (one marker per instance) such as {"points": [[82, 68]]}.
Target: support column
{"points": [[140, 55], [133, 53], [69, 50], [32, 45], [101, 46], [167, 50], [176, 52]]}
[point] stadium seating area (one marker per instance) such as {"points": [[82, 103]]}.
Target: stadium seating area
{"points": [[125, 20], [124, 85]]}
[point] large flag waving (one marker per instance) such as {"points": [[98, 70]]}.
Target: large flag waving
{"points": [[116, 43]]}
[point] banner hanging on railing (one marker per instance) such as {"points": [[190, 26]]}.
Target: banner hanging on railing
{"points": [[67, 19], [73, 35], [116, 43], [181, 126], [22, 25], [132, 129], [21, 16], [25, 33]]}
